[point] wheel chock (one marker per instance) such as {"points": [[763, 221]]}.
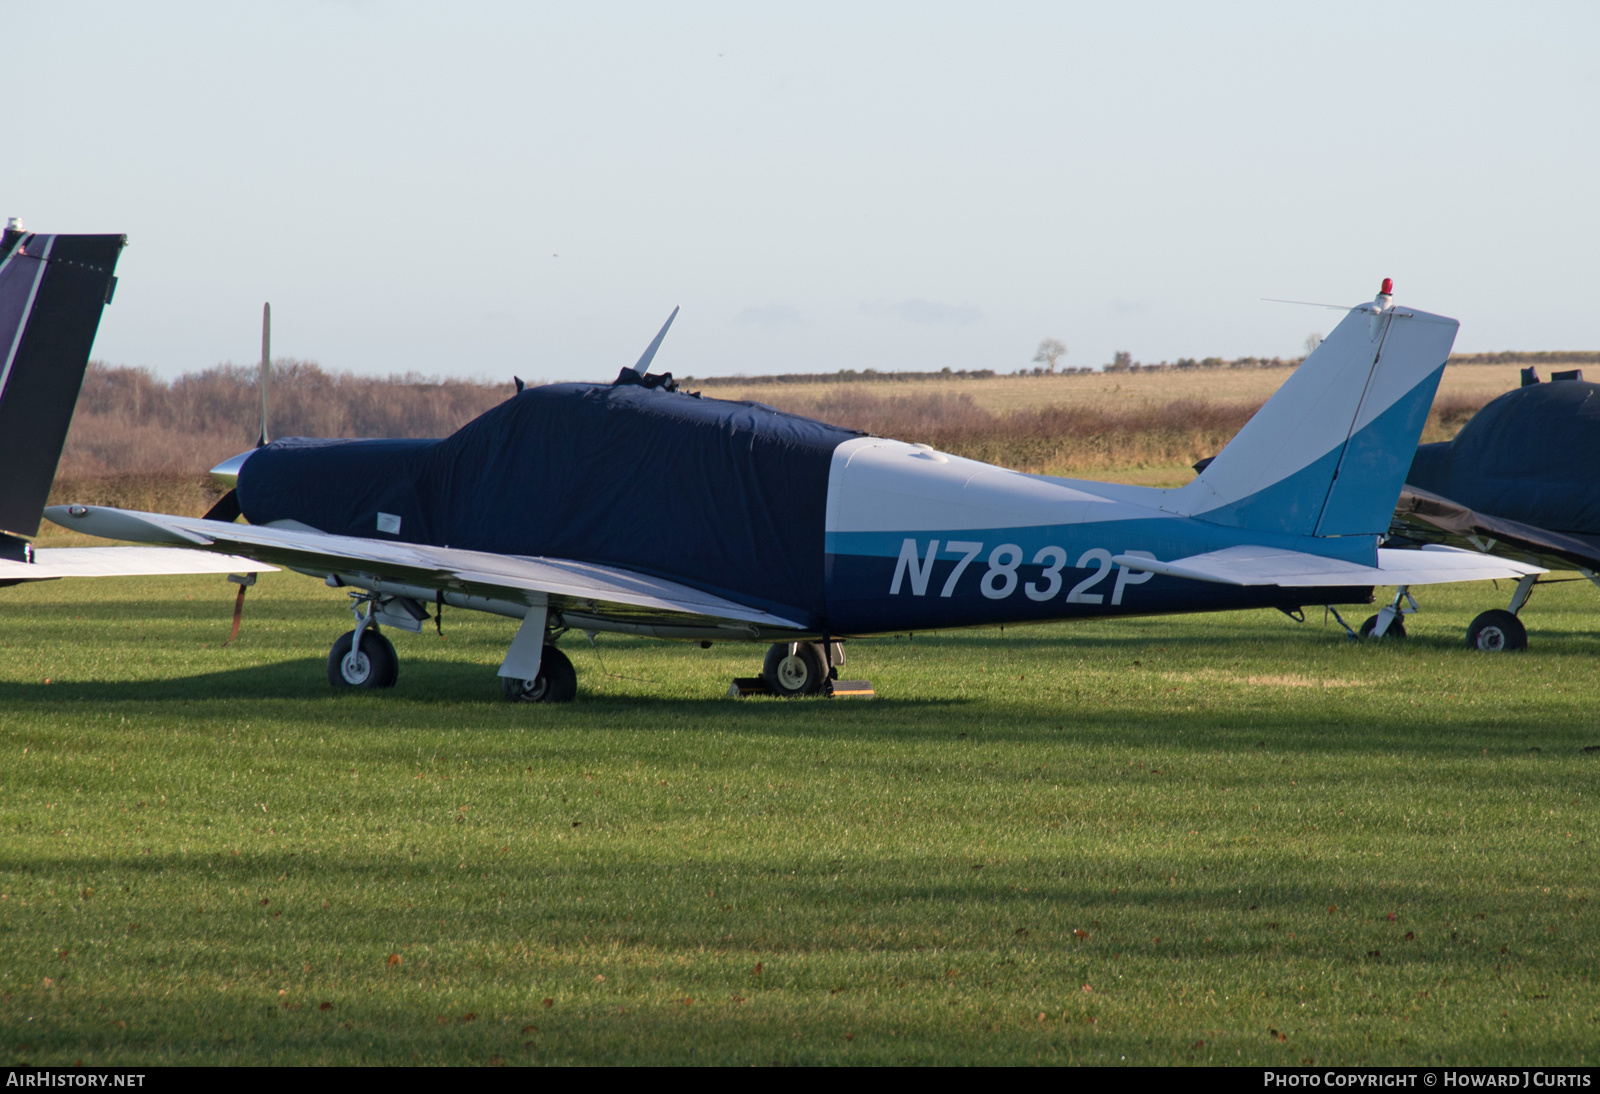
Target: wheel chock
{"points": [[848, 689], [835, 689]]}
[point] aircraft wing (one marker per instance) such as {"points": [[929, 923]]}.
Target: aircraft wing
{"points": [[1426, 517], [1297, 569], [597, 596], [57, 562]]}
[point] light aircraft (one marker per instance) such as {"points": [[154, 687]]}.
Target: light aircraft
{"points": [[1519, 482], [637, 508]]}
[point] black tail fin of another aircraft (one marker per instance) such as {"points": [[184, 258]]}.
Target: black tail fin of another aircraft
{"points": [[52, 291]]}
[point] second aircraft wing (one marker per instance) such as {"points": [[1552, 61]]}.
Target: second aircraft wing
{"points": [[50, 563]]}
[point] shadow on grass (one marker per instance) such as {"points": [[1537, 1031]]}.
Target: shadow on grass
{"points": [[437, 693], [472, 690], [814, 908], [452, 699], [1307, 638]]}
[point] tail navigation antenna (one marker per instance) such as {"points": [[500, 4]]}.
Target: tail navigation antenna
{"points": [[266, 367]]}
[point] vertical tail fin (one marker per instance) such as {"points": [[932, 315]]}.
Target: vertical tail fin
{"points": [[52, 291], [1328, 453]]}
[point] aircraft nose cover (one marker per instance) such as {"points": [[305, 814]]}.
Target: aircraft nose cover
{"points": [[725, 496], [1527, 456]]}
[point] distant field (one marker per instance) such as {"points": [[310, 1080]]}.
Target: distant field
{"points": [[1213, 840], [142, 444], [1006, 393]]}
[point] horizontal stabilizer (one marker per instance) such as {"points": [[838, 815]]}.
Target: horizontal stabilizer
{"points": [[56, 562], [1297, 569]]}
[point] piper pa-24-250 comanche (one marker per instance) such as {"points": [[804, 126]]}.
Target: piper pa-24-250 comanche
{"points": [[636, 508]]}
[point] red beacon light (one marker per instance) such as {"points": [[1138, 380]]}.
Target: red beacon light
{"points": [[1387, 289]]}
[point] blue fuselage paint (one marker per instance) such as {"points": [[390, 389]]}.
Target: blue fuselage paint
{"points": [[886, 581]]}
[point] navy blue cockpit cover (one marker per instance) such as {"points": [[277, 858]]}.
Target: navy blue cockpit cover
{"points": [[724, 496]]}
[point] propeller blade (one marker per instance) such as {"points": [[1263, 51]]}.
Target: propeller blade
{"points": [[226, 509], [650, 354], [266, 366]]}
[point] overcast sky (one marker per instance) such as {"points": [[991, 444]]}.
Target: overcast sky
{"points": [[488, 189]]}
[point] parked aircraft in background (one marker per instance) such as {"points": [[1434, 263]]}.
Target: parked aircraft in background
{"points": [[637, 508], [53, 289], [1518, 482]]}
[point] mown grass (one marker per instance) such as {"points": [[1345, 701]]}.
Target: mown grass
{"points": [[1278, 846]]}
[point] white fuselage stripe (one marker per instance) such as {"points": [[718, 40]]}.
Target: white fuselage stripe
{"points": [[880, 485]]}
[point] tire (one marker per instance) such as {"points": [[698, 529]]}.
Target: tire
{"points": [[557, 681], [802, 672], [392, 673], [377, 666], [1497, 631], [1397, 628]]}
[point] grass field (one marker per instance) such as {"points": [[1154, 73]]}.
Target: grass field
{"points": [[1222, 839]]}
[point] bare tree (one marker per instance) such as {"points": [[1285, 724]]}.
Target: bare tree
{"points": [[1049, 352], [1313, 340]]}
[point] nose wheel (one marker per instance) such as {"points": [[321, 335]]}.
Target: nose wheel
{"points": [[363, 658], [372, 664]]}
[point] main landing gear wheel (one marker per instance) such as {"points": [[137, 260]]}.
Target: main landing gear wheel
{"points": [[1397, 629], [557, 681], [795, 668], [1496, 632], [374, 665]]}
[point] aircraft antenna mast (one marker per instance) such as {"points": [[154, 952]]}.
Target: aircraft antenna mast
{"points": [[266, 366]]}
